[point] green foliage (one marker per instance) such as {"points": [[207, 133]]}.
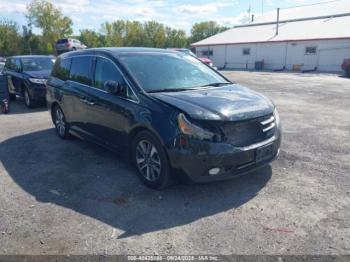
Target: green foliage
{"points": [[54, 25], [50, 20], [148, 34], [204, 30], [91, 38], [10, 39]]}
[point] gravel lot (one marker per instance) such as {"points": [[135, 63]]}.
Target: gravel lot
{"points": [[72, 197]]}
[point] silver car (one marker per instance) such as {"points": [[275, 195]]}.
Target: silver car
{"points": [[68, 44]]}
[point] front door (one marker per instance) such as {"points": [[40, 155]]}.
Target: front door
{"points": [[109, 115], [14, 76]]}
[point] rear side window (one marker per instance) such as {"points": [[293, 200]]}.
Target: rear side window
{"points": [[61, 69], [80, 69]]}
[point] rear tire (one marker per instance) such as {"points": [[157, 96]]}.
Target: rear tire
{"points": [[348, 71], [28, 100], [61, 125], [150, 160]]}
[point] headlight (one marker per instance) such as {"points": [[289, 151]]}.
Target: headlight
{"points": [[39, 81], [187, 128], [277, 117]]}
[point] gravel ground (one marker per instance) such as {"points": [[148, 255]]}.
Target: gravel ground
{"points": [[72, 197]]}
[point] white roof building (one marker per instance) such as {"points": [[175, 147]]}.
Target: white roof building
{"points": [[308, 37]]}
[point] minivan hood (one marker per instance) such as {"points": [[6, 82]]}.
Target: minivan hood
{"points": [[227, 103], [38, 74]]}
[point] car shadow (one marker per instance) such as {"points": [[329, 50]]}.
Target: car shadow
{"points": [[95, 182], [18, 107]]}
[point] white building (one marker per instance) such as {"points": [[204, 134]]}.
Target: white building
{"points": [[308, 37]]}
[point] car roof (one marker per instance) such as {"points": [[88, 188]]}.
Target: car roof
{"points": [[31, 56], [117, 51]]}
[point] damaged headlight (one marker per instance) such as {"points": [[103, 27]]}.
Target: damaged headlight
{"points": [[190, 129]]}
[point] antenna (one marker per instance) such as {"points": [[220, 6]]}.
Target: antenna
{"points": [[249, 12]]}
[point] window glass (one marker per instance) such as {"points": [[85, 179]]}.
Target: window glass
{"points": [[105, 70], [310, 50], [61, 69], [18, 65], [246, 51], [80, 69], [37, 63], [62, 41], [207, 52], [157, 71], [9, 64]]}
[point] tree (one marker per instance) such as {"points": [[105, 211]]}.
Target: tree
{"points": [[50, 20], [91, 38], [175, 38], [204, 30], [10, 39], [154, 33], [114, 32]]}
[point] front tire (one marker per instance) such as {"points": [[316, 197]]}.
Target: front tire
{"points": [[29, 102], [61, 125], [150, 160]]}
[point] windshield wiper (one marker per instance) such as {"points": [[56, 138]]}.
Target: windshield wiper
{"points": [[168, 90], [216, 84]]}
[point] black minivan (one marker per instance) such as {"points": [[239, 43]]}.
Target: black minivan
{"points": [[166, 110]]}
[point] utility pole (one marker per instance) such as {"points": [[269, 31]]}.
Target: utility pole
{"points": [[278, 20]]}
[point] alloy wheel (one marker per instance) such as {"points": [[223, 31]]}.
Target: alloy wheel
{"points": [[60, 122], [148, 160]]}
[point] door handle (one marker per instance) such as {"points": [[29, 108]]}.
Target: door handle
{"points": [[86, 101]]}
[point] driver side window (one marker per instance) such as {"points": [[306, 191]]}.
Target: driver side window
{"points": [[105, 70]]}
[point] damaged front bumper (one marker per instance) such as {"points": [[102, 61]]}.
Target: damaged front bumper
{"points": [[205, 161]]}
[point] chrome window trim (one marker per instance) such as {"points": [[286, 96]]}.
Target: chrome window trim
{"points": [[137, 101]]}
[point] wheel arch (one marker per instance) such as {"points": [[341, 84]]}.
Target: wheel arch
{"points": [[136, 130]]}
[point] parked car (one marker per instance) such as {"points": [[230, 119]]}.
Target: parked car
{"points": [[27, 76], [346, 66], [68, 44], [166, 110], [189, 52]]}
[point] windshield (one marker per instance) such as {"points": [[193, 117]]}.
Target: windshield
{"points": [[37, 63], [161, 71]]}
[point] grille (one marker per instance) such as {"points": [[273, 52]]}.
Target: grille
{"points": [[249, 132]]}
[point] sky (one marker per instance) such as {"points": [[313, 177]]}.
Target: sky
{"points": [[180, 14]]}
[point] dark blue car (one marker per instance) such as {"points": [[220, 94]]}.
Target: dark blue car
{"points": [[166, 110], [27, 76]]}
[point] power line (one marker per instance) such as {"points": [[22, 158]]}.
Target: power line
{"points": [[319, 3]]}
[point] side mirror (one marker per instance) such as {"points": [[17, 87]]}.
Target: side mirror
{"points": [[112, 87]]}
